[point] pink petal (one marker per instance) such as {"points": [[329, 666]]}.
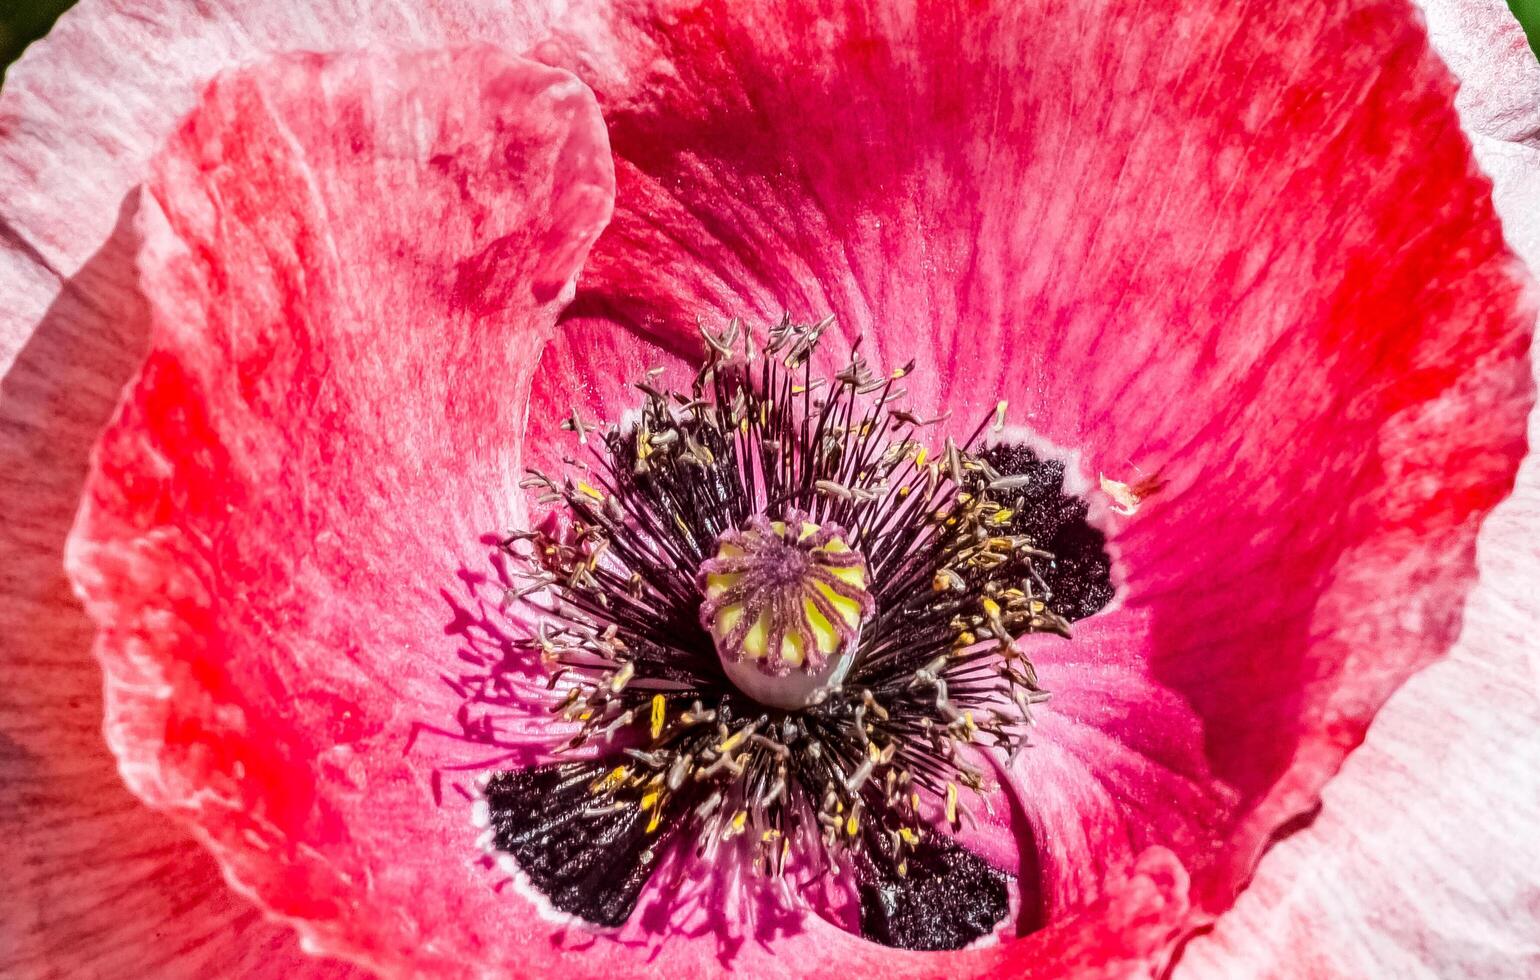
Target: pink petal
{"points": [[348, 292], [1423, 859], [1316, 342], [97, 885], [900, 301], [80, 117], [86, 108]]}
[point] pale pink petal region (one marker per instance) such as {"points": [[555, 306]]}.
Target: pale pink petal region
{"points": [[133, 69], [1484, 45], [1422, 861], [352, 265]]}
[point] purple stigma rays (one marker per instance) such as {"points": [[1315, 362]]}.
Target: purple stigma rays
{"points": [[784, 602]]}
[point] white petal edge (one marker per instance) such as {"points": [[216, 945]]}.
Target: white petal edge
{"points": [[136, 67]]}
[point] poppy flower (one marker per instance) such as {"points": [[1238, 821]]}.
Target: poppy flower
{"points": [[511, 550]]}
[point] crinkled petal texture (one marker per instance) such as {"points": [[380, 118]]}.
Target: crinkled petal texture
{"points": [[354, 263], [1443, 880], [1499, 75], [1240, 251]]}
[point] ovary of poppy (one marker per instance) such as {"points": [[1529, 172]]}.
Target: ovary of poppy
{"points": [[1221, 383]]}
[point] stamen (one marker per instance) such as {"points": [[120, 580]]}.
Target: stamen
{"points": [[782, 622]]}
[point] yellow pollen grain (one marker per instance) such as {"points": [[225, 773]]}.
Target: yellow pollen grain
{"points": [[951, 804], [852, 824], [740, 819], [732, 741], [650, 800], [611, 780], [590, 491], [921, 456], [909, 836], [654, 820], [622, 677], [659, 705]]}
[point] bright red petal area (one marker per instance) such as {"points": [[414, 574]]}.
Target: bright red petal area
{"points": [[352, 264], [97, 885], [92, 873], [1241, 252]]}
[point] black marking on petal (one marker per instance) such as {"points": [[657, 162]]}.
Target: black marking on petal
{"points": [[589, 863], [947, 898], [1079, 576]]}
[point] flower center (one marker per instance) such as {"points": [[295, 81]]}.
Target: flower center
{"points": [[784, 601], [779, 616]]}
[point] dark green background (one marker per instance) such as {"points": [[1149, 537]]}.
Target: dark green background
{"points": [[1528, 12], [23, 20]]}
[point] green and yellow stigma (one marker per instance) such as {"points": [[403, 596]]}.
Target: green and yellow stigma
{"points": [[783, 601]]}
